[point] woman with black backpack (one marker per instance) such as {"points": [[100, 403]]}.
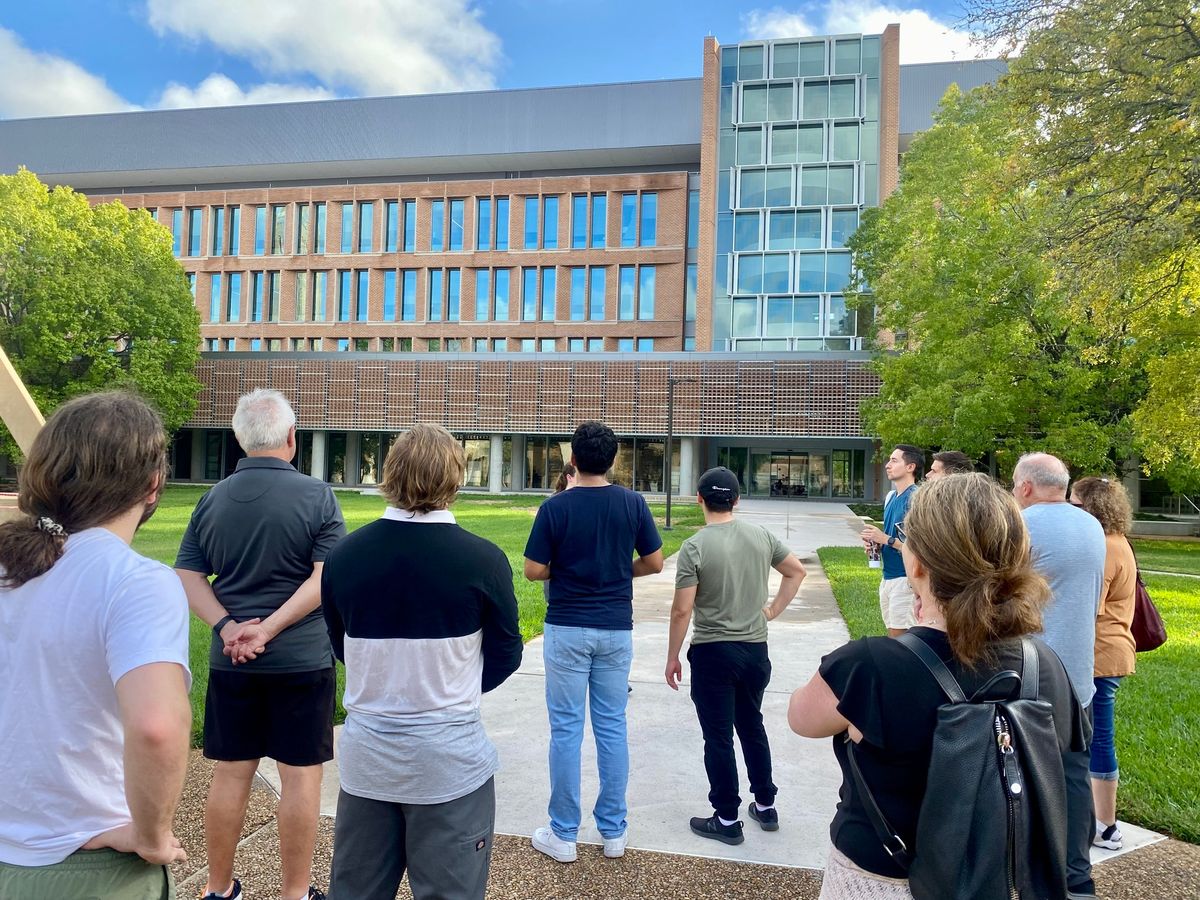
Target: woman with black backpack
{"points": [[966, 554]]}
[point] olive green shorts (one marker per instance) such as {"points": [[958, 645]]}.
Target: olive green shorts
{"points": [[89, 875]]}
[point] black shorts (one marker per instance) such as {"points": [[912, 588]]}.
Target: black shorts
{"points": [[284, 716]]}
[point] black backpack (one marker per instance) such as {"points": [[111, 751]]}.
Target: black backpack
{"points": [[993, 823]]}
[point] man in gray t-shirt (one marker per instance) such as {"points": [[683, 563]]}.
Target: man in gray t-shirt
{"points": [[722, 579], [1068, 548]]}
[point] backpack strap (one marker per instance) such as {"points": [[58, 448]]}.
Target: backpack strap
{"points": [[945, 679], [892, 842], [1030, 670]]}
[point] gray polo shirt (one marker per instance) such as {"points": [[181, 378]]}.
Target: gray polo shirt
{"points": [[1068, 548], [260, 531]]}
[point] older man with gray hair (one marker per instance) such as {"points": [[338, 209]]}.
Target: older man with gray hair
{"points": [[1068, 550], [264, 532]]}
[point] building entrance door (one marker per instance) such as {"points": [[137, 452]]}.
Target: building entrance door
{"points": [[799, 474]]}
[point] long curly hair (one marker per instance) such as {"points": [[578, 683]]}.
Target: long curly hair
{"points": [[1107, 500]]}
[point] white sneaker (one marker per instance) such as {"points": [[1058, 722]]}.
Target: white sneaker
{"points": [[614, 848], [1108, 836], [546, 841]]}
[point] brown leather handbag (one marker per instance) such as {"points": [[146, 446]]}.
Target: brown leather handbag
{"points": [[1149, 632]]}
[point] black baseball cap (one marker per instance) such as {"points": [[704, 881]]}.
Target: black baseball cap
{"points": [[719, 486]]}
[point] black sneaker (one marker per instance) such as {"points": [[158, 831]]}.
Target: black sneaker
{"points": [[314, 894], [235, 894], [712, 828], [767, 819]]}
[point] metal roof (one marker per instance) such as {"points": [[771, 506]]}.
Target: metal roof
{"points": [[922, 86]]}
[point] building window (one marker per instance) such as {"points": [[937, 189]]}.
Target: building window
{"points": [[529, 296], [578, 293], [343, 345], [260, 230], [436, 294], [300, 304], [689, 343], [344, 287], [213, 344], [230, 344], [191, 279], [387, 345], [629, 220], [457, 214], [362, 296], [318, 227], [273, 280], [599, 219], [177, 232], [389, 295], [645, 345], [483, 284], [433, 345], [531, 223], [302, 225], [549, 281], [625, 345], [195, 231], [483, 224], [546, 345], [255, 344], [646, 279], [274, 345], [501, 223], [528, 345], [278, 228], [366, 225], [454, 345], [408, 295], [233, 298], [649, 226], [689, 295], [404, 345], [235, 231], [361, 345], [693, 222], [410, 226], [453, 294], [627, 293], [347, 227], [550, 223], [500, 309], [320, 289], [480, 345], [579, 221], [256, 296], [391, 225], [214, 297], [575, 345], [437, 226], [596, 275]]}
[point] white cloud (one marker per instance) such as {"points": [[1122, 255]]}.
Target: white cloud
{"points": [[923, 38], [42, 84], [220, 90], [365, 47]]}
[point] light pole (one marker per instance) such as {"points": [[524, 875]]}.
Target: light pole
{"points": [[672, 380]]}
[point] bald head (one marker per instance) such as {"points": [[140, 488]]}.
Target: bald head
{"points": [[1040, 478]]}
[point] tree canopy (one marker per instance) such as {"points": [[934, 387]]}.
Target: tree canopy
{"points": [[1074, 183], [92, 298]]}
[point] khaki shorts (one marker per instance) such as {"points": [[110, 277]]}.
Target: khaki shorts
{"points": [[89, 875], [896, 603]]}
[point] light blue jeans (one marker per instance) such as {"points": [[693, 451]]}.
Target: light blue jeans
{"points": [[587, 666]]}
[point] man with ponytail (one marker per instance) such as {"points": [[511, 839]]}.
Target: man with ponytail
{"points": [[94, 661], [1068, 548]]}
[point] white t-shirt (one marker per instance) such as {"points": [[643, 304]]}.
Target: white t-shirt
{"points": [[66, 638]]}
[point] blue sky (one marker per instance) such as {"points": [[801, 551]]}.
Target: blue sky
{"points": [[59, 57]]}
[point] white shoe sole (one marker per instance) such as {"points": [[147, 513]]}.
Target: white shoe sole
{"points": [[614, 848], [1108, 845], [542, 845]]}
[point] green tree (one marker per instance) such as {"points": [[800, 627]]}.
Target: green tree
{"points": [[989, 354], [1114, 89], [92, 298]]}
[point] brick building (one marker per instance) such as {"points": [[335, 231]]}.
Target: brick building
{"points": [[509, 263]]}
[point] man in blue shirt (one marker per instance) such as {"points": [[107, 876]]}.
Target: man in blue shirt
{"points": [[903, 468], [583, 541]]}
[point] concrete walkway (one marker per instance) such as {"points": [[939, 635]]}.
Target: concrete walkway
{"points": [[667, 782]]}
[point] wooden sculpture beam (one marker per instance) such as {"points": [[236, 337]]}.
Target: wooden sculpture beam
{"points": [[21, 415]]}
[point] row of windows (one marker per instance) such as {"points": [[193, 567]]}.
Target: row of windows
{"points": [[778, 186], [787, 101], [435, 345], [786, 229], [803, 59], [783, 273], [447, 220], [348, 298], [822, 142]]}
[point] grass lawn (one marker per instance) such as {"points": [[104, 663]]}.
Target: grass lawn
{"points": [[505, 521], [1158, 708], [1168, 556]]}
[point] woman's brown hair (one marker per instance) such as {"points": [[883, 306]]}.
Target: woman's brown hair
{"points": [[560, 484], [424, 469], [1105, 499], [969, 536], [96, 457]]}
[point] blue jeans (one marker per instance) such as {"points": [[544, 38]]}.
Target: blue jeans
{"points": [[587, 665], [1103, 765]]}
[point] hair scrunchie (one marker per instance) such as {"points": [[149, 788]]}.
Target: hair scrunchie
{"points": [[48, 525]]}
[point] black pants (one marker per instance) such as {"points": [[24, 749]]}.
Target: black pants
{"points": [[446, 847], [728, 681], [1081, 816]]}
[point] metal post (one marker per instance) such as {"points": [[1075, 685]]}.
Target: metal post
{"points": [[667, 457]]}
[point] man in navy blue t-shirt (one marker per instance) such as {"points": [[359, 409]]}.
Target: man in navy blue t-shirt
{"points": [[583, 541]]}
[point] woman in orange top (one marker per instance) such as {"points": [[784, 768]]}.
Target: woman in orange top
{"points": [[1107, 501]]}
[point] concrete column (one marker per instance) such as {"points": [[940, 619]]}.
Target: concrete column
{"points": [[198, 448], [319, 444], [1133, 481], [353, 456], [687, 467], [496, 464]]}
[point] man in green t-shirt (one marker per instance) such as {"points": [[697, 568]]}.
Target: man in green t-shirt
{"points": [[722, 577]]}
